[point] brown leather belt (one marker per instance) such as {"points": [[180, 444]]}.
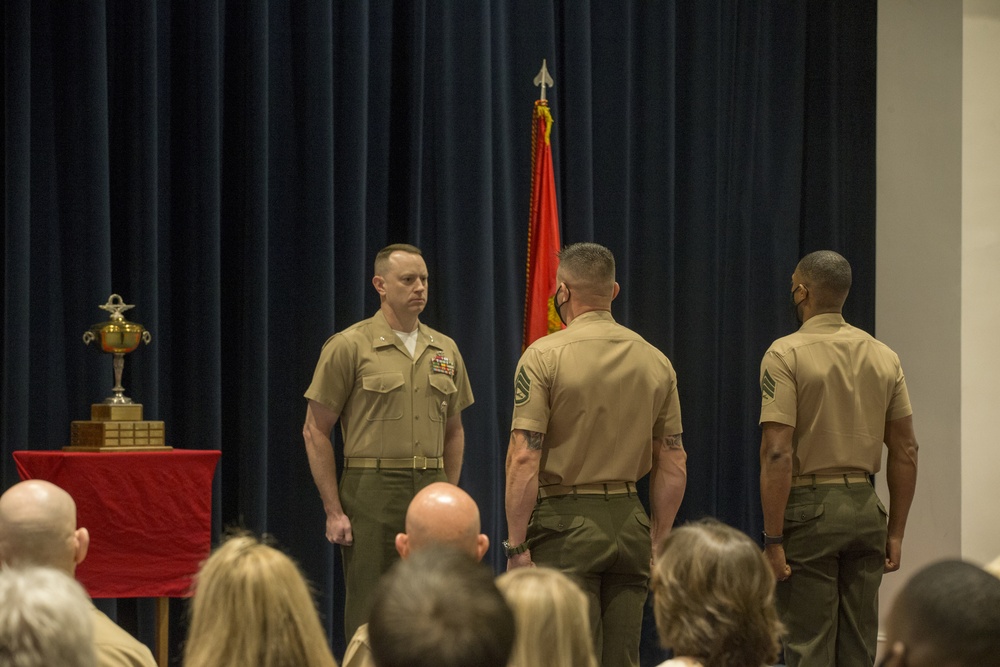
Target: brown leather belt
{"points": [[842, 478], [410, 463], [605, 489]]}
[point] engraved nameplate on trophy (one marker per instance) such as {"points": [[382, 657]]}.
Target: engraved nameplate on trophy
{"points": [[116, 425]]}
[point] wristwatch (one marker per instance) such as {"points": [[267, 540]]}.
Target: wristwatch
{"points": [[510, 551], [772, 539]]}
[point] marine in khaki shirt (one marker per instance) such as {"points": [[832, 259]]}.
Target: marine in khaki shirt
{"points": [[831, 395], [398, 389], [595, 409]]}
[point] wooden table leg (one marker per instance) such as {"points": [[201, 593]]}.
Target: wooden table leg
{"points": [[163, 632]]}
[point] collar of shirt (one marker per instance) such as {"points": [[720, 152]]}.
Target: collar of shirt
{"points": [[383, 335], [824, 322], [592, 316]]}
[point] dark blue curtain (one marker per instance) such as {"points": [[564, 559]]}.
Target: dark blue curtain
{"points": [[232, 167]]}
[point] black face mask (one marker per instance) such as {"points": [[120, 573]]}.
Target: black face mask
{"points": [[559, 306], [795, 305]]}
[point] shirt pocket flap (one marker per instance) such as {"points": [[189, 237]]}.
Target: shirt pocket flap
{"points": [[443, 383], [382, 382], [803, 513]]}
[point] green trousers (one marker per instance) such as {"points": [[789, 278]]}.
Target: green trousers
{"points": [[603, 542], [375, 501], [835, 544]]}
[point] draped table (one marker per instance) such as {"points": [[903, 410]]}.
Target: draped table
{"points": [[149, 515]]}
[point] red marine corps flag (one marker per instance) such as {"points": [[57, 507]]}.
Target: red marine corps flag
{"points": [[540, 316]]}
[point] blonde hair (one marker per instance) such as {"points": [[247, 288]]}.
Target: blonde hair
{"points": [[252, 606], [552, 616], [714, 597]]}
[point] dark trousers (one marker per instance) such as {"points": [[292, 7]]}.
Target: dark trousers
{"points": [[604, 543], [375, 501], [835, 544]]}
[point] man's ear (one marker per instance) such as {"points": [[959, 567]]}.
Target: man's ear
{"points": [[403, 545], [81, 544], [379, 283], [614, 292], [482, 546]]}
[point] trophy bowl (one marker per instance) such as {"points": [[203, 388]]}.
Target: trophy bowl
{"points": [[118, 337]]}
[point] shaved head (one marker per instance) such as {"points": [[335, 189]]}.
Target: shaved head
{"points": [[442, 514], [38, 527], [828, 275], [589, 268]]}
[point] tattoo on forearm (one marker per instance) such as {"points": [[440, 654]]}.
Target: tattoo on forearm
{"points": [[534, 439], [673, 441]]}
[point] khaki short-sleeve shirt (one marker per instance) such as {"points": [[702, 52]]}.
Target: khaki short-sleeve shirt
{"points": [[390, 404], [837, 386], [600, 394]]}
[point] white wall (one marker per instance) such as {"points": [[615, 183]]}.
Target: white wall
{"points": [[980, 280], [938, 263], [919, 256]]}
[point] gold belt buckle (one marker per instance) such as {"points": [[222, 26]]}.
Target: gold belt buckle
{"points": [[422, 466]]}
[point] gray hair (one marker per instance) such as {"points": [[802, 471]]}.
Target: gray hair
{"points": [[45, 620], [440, 608]]}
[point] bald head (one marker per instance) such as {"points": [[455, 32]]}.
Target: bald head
{"points": [[442, 514], [38, 527]]}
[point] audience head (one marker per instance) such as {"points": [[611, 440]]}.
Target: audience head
{"points": [[45, 619], [442, 514], [552, 616], [714, 597], [38, 527], [947, 614], [440, 608], [252, 606]]}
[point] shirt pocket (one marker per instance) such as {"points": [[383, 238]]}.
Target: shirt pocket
{"points": [[441, 394], [383, 396], [797, 516], [556, 523]]}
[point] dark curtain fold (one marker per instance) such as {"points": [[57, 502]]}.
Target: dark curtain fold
{"points": [[231, 168]]}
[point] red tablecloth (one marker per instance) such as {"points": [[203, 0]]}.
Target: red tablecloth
{"points": [[149, 515]]}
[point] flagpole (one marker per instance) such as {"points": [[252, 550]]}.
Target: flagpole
{"points": [[540, 317], [543, 79]]}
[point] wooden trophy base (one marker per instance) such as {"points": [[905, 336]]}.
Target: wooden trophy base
{"points": [[116, 428]]}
